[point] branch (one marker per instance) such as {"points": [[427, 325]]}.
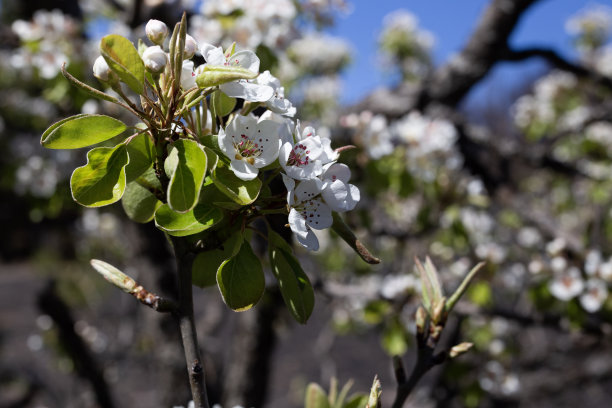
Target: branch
{"points": [[555, 59], [184, 259], [450, 83]]}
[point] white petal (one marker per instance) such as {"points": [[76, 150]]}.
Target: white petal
{"points": [[247, 91], [318, 214], [244, 170], [297, 223], [336, 195], [225, 144], [246, 59], [337, 171], [266, 138], [290, 186], [310, 242], [213, 55], [308, 189]]}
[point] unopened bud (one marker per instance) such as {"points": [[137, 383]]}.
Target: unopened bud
{"points": [[101, 70], [191, 46], [155, 59], [459, 349], [438, 312], [421, 319], [157, 31]]}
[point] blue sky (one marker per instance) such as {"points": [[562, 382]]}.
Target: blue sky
{"points": [[451, 21]]}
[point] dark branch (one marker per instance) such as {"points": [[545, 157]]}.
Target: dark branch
{"points": [[556, 60]]}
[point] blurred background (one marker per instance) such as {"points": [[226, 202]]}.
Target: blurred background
{"points": [[483, 131]]}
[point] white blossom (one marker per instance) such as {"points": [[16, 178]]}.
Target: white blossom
{"points": [[250, 144], [336, 191], [243, 89], [595, 294], [101, 70], [277, 103], [299, 159], [567, 285], [308, 211]]}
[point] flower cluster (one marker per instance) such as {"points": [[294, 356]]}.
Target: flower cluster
{"points": [[316, 184]]}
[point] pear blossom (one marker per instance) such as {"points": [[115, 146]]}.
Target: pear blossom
{"points": [[157, 31], [277, 103], [243, 89], [189, 74], [155, 59], [300, 160], [336, 192], [567, 285], [595, 294], [250, 144], [308, 211]]}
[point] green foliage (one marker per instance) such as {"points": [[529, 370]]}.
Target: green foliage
{"points": [[207, 263], [138, 202], [294, 284], [221, 105], [395, 338], [241, 279], [102, 180], [186, 167], [122, 57], [240, 191], [180, 224], [81, 131], [142, 153]]}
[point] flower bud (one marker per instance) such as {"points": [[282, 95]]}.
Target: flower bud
{"points": [[191, 46], [101, 70], [155, 59], [157, 31], [459, 349]]}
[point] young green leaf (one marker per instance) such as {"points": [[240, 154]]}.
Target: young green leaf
{"points": [[138, 202], [207, 263], [81, 131], [142, 154], [122, 57], [294, 284], [315, 397], [182, 224], [187, 168], [240, 191], [102, 180], [221, 104], [217, 75], [241, 279]]}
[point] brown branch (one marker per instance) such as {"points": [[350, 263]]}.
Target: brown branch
{"points": [[184, 314], [556, 60]]}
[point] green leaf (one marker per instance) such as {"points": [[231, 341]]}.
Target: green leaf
{"points": [[395, 338], [315, 397], [221, 104], [212, 75], [88, 89], [186, 168], [357, 401], [102, 180], [81, 131], [122, 57], [142, 154], [211, 159], [178, 224], [207, 263], [241, 279], [294, 284], [240, 191], [138, 202]]}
